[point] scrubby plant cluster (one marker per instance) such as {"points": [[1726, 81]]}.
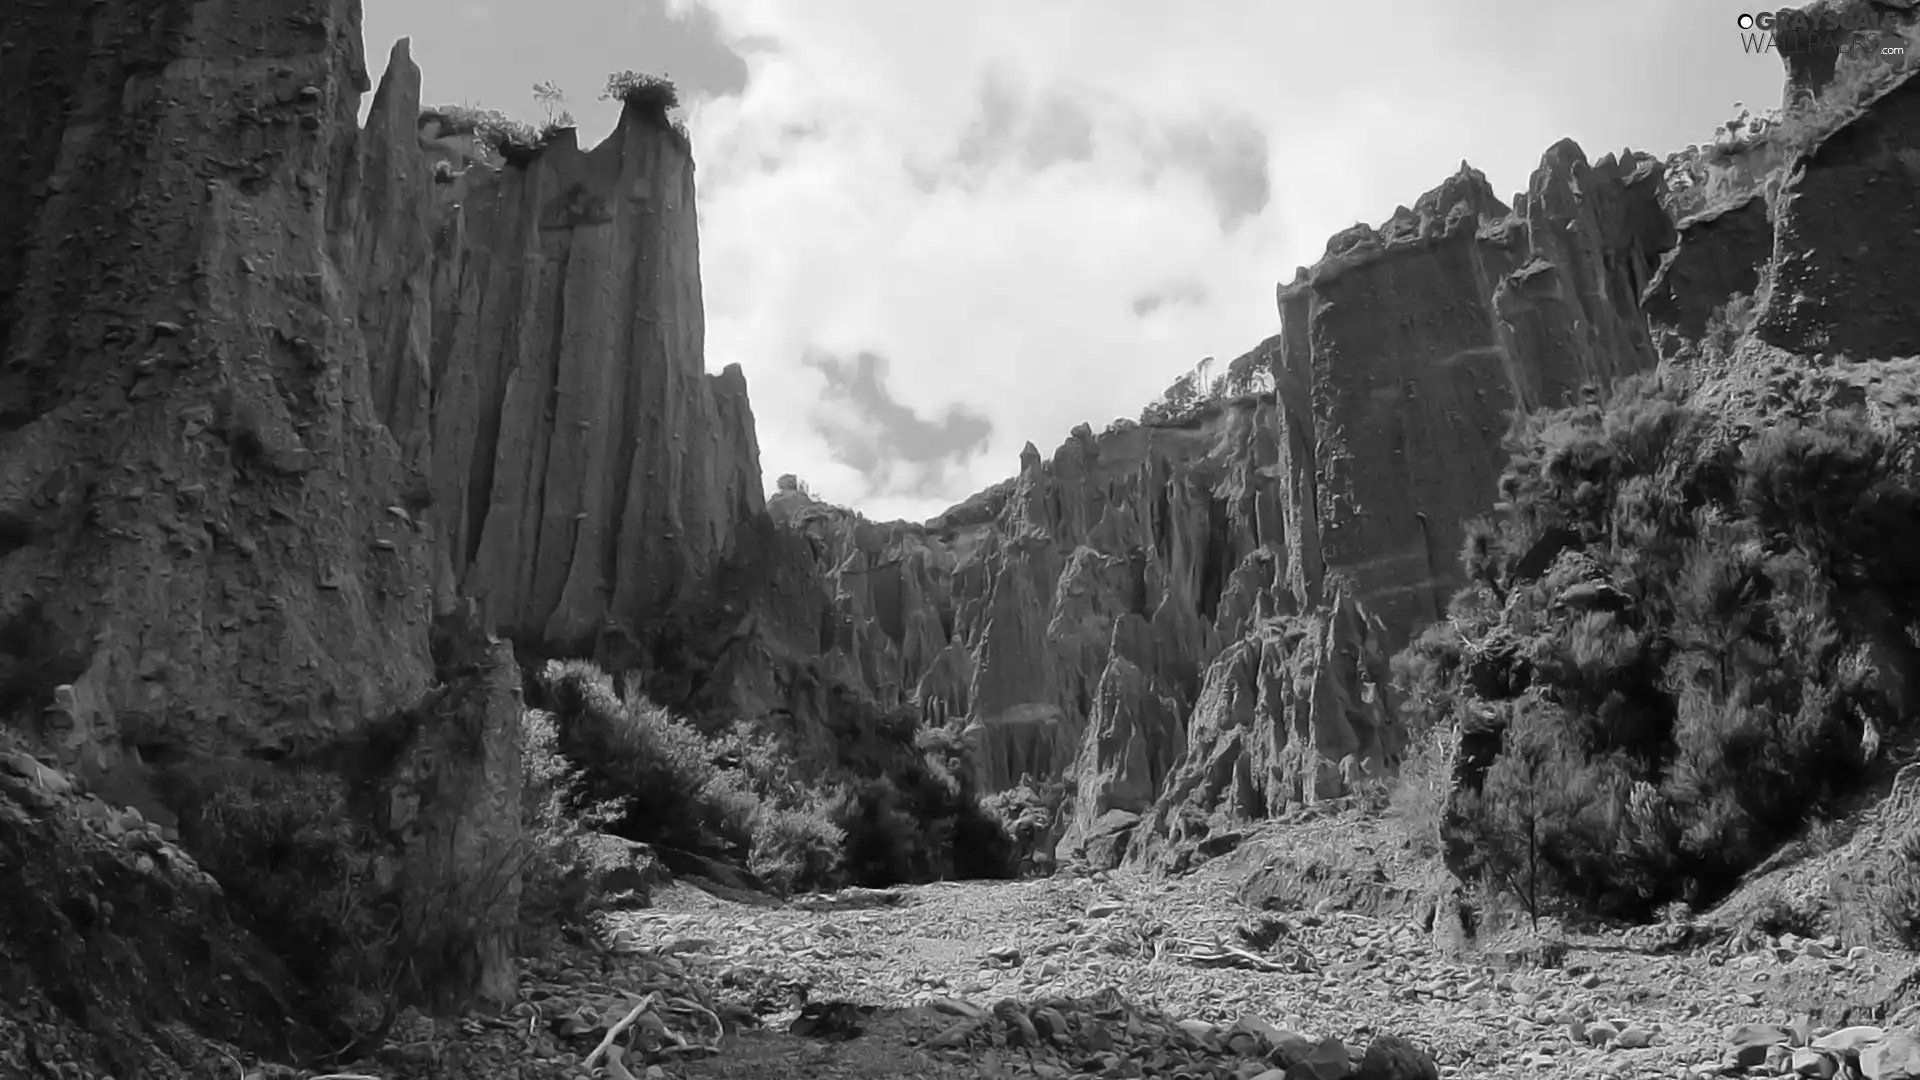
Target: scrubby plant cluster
{"points": [[1680, 644], [652, 92], [1204, 385], [653, 96], [496, 131], [293, 861], [1859, 74], [1901, 906], [893, 806], [520, 142], [1032, 812]]}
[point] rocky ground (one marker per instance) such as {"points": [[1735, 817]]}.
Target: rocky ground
{"points": [[1130, 975], [1306, 950]]}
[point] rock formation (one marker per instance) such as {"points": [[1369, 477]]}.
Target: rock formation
{"points": [[536, 340], [1070, 622], [109, 920], [1844, 239], [1718, 257], [1838, 195], [586, 469], [1193, 615], [276, 390], [311, 393], [1406, 348], [213, 549], [195, 481]]}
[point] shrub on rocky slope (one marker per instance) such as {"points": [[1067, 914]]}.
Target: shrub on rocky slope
{"points": [[1690, 630], [892, 807]]}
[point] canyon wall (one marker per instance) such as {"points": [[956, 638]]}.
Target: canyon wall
{"points": [[586, 469], [1844, 239], [537, 335], [194, 476], [275, 392], [299, 392], [1406, 348], [1071, 620], [1193, 616], [279, 392], [211, 548]]}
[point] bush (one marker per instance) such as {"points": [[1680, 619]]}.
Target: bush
{"points": [[890, 807], [1807, 119], [1902, 898], [1423, 785], [797, 850], [1672, 646], [280, 844], [567, 853], [650, 93], [489, 127], [906, 800], [922, 827], [1030, 814], [297, 868], [653, 770]]}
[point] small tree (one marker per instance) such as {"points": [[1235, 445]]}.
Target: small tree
{"points": [[1519, 806], [551, 97]]}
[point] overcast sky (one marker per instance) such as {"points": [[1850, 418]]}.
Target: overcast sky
{"points": [[933, 232]]}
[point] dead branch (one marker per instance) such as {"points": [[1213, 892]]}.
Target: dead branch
{"points": [[618, 1029]]}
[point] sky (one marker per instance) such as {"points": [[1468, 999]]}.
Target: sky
{"points": [[931, 233]]}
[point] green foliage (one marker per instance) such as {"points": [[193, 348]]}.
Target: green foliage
{"points": [[797, 850], [1902, 898], [651, 93], [567, 852], [1673, 646], [908, 810], [1424, 782], [1202, 386], [890, 807], [658, 770], [491, 128], [294, 863], [1808, 118], [1030, 812]]}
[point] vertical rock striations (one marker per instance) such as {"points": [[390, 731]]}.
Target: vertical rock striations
{"points": [[208, 551], [586, 468], [1406, 348], [1068, 621], [194, 474]]}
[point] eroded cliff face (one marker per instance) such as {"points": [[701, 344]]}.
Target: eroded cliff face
{"points": [[193, 470], [1193, 617], [1844, 239], [210, 548], [537, 337], [317, 391], [1086, 618], [1837, 191], [1406, 348]]}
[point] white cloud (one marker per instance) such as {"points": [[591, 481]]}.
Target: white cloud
{"points": [[1009, 287], [1012, 295]]}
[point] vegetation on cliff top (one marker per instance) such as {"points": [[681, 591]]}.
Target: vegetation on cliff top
{"points": [[1204, 386], [1684, 639], [519, 142], [1802, 122]]}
